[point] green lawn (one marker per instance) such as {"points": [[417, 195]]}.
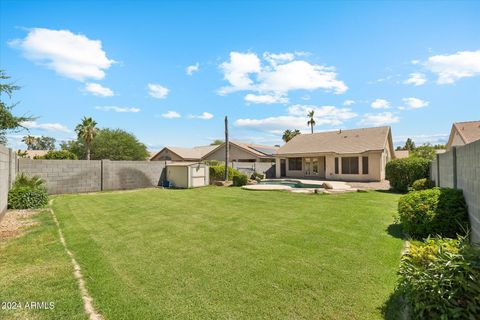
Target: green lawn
{"points": [[219, 253]]}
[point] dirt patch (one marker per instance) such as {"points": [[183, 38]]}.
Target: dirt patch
{"points": [[14, 223]]}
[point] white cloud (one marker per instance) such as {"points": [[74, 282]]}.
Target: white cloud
{"points": [[117, 109], [281, 74], [380, 104], [193, 68], [379, 119], [413, 103], [415, 61], [45, 126], [171, 115], [348, 102], [265, 99], [157, 91], [450, 68], [237, 71], [297, 118], [203, 116], [71, 55], [98, 90], [416, 79]]}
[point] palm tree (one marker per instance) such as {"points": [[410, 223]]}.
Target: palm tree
{"points": [[311, 121], [289, 134], [29, 141], [86, 130]]}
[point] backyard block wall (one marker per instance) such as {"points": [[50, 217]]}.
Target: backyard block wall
{"points": [[5, 176], [266, 168], [120, 175], [65, 176], [460, 168], [74, 176]]}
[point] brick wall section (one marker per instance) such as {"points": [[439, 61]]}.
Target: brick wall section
{"points": [[65, 176], [4, 177], [467, 175], [120, 175]]}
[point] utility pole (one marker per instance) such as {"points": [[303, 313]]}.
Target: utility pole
{"points": [[227, 151]]}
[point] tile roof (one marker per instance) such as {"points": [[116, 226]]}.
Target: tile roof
{"points": [[339, 141], [469, 130]]}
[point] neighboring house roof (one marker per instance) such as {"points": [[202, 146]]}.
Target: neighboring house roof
{"points": [[399, 154], [33, 153], [257, 150], [340, 142], [468, 131], [195, 153]]}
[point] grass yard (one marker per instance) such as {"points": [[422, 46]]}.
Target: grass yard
{"points": [[211, 253]]}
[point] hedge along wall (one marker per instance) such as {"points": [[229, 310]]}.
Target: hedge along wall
{"points": [[7, 175], [460, 168], [74, 176]]}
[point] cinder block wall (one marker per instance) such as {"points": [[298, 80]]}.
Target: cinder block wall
{"points": [[468, 179], [446, 169], [65, 176], [467, 173], [4, 178], [119, 175]]}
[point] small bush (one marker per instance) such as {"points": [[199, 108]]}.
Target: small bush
{"points": [[240, 180], [422, 184], [257, 176], [27, 198], [57, 155], [217, 173], [25, 181], [403, 172], [440, 279], [437, 211]]}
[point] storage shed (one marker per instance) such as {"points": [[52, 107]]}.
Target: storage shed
{"points": [[187, 174]]}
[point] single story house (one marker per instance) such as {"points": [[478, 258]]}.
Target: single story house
{"points": [[182, 154], [350, 155], [463, 133], [31, 154], [400, 154], [243, 152]]}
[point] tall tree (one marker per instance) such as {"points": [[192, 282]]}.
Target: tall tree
{"points": [[216, 142], [409, 145], [117, 144], [7, 120], [45, 143], [290, 134], [311, 120], [87, 131], [29, 141]]}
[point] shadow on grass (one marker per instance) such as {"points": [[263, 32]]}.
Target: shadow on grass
{"points": [[394, 307], [396, 230]]}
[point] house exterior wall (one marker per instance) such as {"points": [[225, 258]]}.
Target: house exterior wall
{"points": [[376, 167], [236, 154], [456, 140]]}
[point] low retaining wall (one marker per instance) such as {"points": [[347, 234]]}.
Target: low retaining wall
{"points": [[460, 169]]}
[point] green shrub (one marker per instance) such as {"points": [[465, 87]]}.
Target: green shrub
{"points": [[403, 172], [23, 180], [422, 184], [257, 176], [437, 211], [440, 279], [23, 197], [58, 155], [217, 173], [240, 180]]}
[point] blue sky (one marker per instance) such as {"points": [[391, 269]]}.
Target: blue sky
{"points": [[169, 72]]}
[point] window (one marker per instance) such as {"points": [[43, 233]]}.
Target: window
{"points": [[349, 165], [295, 164], [336, 165], [365, 165]]}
